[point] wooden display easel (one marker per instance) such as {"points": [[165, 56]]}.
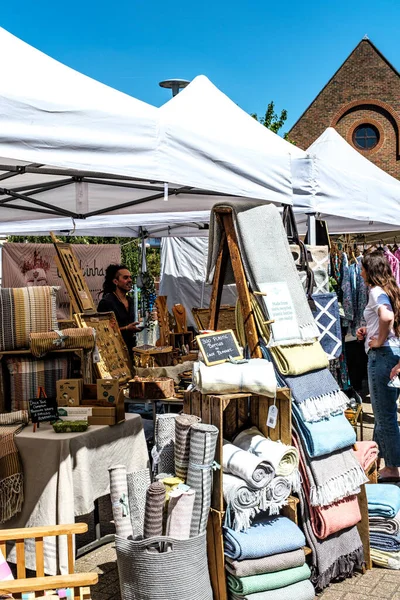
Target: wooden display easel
{"points": [[229, 247]]}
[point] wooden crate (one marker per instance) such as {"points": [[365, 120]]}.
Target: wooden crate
{"points": [[226, 318]]}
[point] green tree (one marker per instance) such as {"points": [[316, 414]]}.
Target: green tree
{"points": [[271, 120]]}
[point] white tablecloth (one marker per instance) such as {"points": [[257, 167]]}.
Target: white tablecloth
{"points": [[64, 473]]}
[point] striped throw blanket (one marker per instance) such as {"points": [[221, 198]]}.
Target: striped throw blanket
{"points": [[11, 474], [42, 343], [24, 311]]}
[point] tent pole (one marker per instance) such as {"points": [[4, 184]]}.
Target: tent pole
{"points": [[312, 234]]}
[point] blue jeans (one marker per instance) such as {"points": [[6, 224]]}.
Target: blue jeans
{"points": [[383, 399]]}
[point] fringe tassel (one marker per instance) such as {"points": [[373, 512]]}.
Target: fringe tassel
{"points": [[317, 408], [342, 568], [11, 496], [338, 488], [309, 330], [295, 480]]}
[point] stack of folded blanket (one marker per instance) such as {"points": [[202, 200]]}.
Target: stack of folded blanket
{"points": [[384, 524], [267, 562]]}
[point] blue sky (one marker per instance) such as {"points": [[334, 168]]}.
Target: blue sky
{"points": [[254, 51]]}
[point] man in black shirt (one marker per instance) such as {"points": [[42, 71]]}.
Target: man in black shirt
{"points": [[116, 286]]}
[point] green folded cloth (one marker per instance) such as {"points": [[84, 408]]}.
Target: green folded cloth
{"points": [[303, 590], [268, 581], [299, 359]]}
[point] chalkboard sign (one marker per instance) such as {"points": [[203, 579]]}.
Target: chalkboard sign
{"points": [[43, 409], [219, 347]]}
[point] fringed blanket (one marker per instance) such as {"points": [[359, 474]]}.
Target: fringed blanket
{"points": [[304, 590], [23, 311], [276, 494], [300, 359], [267, 581], [11, 474], [269, 535], [366, 453], [317, 395], [385, 525], [256, 472], [383, 500], [254, 377], [42, 343], [384, 541], [242, 502], [283, 458], [324, 437], [266, 564], [388, 560], [260, 232]]}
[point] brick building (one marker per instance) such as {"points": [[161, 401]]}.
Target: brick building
{"points": [[362, 102]]}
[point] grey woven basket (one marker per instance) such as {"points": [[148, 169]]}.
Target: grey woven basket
{"points": [[179, 572]]}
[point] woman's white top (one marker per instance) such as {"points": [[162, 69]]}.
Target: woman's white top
{"points": [[377, 298]]}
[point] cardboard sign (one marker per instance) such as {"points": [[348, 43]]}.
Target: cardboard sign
{"points": [[43, 409], [218, 347]]}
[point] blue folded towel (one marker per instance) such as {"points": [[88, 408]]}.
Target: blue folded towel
{"points": [[324, 437], [384, 541], [270, 535], [383, 500]]}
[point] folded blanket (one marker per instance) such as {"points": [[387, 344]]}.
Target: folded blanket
{"points": [[42, 343], [324, 437], [260, 232], [303, 590], [383, 541], [366, 453], [154, 512], [388, 560], [283, 458], [242, 502], [256, 472], [182, 443], [267, 581], [269, 535], [266, 564], [11, 472], [276, 494], [385, 525], [180, 511], [383, 500], [254, 377], [316, 394], [297, 360]]}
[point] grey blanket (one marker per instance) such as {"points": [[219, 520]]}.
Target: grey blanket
{"points": [[260, 233], [303, 590], [385, 525], [267, 564]]}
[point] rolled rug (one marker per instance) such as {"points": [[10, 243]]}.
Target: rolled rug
{"points": [[42, 343], [267, 581], [283, 458], [119, 501], [385, 525], [164, 437], [276, 494], [242, 502], [324, 437], [182, 443], [298, 360], [269, 535], [154, 511], [388, 560], [138, 483], [266, 564], [303, 590], [256, 376], [203, 440], [383, 500], [366, 453], [180, 512], [316, 394], [256, 472]]}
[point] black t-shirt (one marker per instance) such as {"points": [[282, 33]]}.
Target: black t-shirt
{"points": [[110, 302]]}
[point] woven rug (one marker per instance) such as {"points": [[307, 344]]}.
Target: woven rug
{"points": [[203, 441], [154, 511], [266, 564], [28, 374], [180, 512], [42, 343], [138, 483], [303, 590], [11, 473], [119, 501], [164, 449], [260, 232], [267, 581], [183, 424], [24, 311], [256, 472]]}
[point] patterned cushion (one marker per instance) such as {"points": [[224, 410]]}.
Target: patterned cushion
{"points": [[24, 311], [28, 374]]}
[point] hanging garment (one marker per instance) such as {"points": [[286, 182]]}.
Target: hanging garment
{"points": [[394, 264], [327, 318], [347, 300]]}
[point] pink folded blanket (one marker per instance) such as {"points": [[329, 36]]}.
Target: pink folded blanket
{"points": [[366, 453]]}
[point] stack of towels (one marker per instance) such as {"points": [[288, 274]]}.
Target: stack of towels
{"points": [[259, 475], [384, 524], [267, 562]]}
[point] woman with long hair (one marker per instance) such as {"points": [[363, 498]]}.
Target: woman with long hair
{"points": [[381, 337]]}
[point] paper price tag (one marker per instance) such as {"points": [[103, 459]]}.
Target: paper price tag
{"points": [[272, 416]]}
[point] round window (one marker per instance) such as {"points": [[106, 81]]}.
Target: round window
{"points": [[366, 137]]}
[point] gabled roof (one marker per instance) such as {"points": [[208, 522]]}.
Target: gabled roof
{"points": [[365, 40]]}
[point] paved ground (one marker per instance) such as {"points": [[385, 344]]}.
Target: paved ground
{"points": [[378, 584]]}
